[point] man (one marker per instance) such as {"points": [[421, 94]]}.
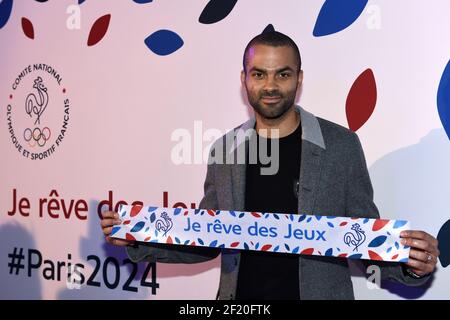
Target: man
{"points": [[321, 171]]}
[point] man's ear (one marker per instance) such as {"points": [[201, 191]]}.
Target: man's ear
{"points": [[243, 77], [300, 77]]}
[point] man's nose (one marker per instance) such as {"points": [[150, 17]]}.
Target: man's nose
{"points": [[270, 83]]}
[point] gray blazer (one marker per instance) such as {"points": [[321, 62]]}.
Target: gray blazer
{"points": [[334, 180]]}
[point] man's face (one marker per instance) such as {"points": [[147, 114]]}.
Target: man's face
{"points": [[271, 79]]}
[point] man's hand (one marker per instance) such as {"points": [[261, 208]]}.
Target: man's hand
{"points": [[110, 219], [424, 251]]}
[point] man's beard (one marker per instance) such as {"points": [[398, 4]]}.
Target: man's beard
{"points": [[272, 111]]}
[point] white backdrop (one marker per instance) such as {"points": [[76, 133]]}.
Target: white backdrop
{"points": [[117, 100]]}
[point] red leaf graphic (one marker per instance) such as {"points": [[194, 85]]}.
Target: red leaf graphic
{"points": [[193, 243], [130, 237], [169, 240], [146, 239], [374, 256], [135, 210], [186, 213], [343, 223], [394, 257], [126, 222], [256, 214], [98, 30], [379, 224], [234, 244], [266, 247], [342, 255], [307, 251], [28, 28], [361, 100], [211, 213]]}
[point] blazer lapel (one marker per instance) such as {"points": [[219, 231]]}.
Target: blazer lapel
{"points": [[310, 168]]}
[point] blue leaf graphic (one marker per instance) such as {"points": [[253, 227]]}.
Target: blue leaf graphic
{"points": [[150, 209], [186, 242], [287, 247], [302, 217], [378, 241], [164, 42], [399, 224], [443, 99], [241, 215], [233, 213], [142, 1], [276, 249], [318, 218], [329, 252], [295, 250], [355, 256], [276, 216], [330, 224], [200, 241], [138, 226], [246, 246], [177, 240], [336, 15], [213, 243], [216, 10], [114, 230], [152, 217], [177, 211]]}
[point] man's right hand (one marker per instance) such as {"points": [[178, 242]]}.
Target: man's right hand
{"points": [[110, 219]]}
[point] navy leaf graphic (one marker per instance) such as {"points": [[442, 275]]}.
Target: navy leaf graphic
{"points": [[443, 99], [355, 256], [216, 10], [378, 241], [336, 15], [444, 244], [5, 11], [152, 217], [142, 1], [164, 42], [268, 28], [329, 252], [138, 226]]}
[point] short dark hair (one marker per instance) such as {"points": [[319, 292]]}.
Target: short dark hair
{"points": [[273, 39]]}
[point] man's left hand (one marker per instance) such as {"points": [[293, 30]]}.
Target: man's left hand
{"points": [[424, 251]]}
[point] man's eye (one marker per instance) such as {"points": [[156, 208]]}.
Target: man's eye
{"points": [[285, 75], [257, 75]]}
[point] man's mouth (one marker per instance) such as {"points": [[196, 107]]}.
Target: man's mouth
{"points": [[271, 99]]}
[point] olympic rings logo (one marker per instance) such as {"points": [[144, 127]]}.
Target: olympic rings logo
{"points": [[37, 136]]}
